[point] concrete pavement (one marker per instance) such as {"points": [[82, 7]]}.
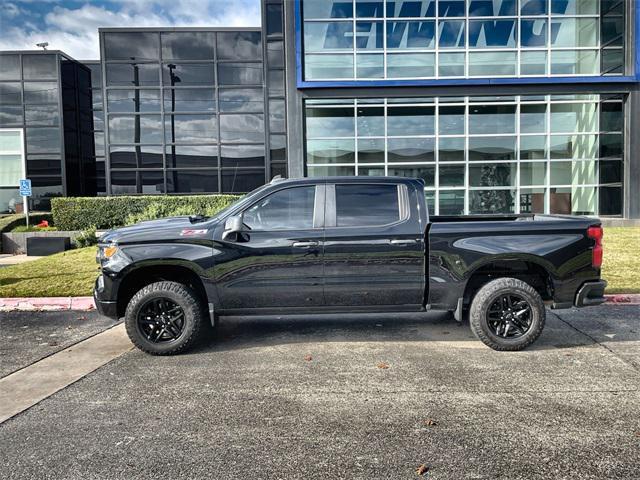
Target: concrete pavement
{"points": [[305, 398]]}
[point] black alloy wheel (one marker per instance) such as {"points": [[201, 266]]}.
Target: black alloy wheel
{"points": [[509, 316], [161, 321]]}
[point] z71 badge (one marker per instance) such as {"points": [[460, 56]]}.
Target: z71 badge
{"points": [[190, 232]]}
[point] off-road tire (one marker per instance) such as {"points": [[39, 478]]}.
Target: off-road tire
{"points": [[186, 298], [482, 301]]}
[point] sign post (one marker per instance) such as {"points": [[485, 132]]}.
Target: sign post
{"points": [[25, 192]]}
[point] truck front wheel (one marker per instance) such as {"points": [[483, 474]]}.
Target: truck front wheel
{"points": [[164, 318], [507, 314]]}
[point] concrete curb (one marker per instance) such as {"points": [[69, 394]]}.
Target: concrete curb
{"points": [[86, 303]]}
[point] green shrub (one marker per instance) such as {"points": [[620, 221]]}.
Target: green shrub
{"points": [[31, 228], [81, 213], [87, 238], [10, 222]]}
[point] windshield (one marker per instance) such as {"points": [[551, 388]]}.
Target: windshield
{"points": [[239, 201]]}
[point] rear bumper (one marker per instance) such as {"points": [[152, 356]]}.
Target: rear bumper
{"points": [[590, 293], [108, 308]]}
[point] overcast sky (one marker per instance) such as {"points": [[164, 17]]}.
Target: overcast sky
{"points": [[72, 25]]}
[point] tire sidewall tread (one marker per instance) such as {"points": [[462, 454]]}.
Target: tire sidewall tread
{"points": [[485, 296], [185, 297]]}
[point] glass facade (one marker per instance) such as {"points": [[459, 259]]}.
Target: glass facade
{"points": [[479, 155], [46, 95], [430, 39], [185, 111]]}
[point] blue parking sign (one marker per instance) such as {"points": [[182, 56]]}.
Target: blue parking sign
{"points": [[25, 187]]}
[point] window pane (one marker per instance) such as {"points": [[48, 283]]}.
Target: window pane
{"points": [[533, 147], [328, 36], [39, 67], [369, 35], [533, 118], [487, 64], [274, 20], [366, 205], [574, 117], [10, 115], [574, 7], [9, 67], [240, 73], [369, 66], [575, 62], [612, 117], [411, 8], [533, 173], [407, 35], [491, 201], [132, 74], [451, 202], [275, 54], [574, 146], [611, 171], [278, 146], [574, 173], [451, 149], [320, 67], [136, 157], [275, 83], [411, 65], [42, 115], [330, 151], [533, 7], [411, 121], [131, 45], [574, 32], [492, 119], [245, 128], [187, 45], [189, 181], [451, 34], [330, 122], [241, 100], [370, 121], [43, 140], [190, 129], [406, 150], [192, 156], [611, 145], [492, 148], [10, 170], [451, 64], [130, 101], [533, 32], [451, 120], [451, 175], [10, 94], [40, 92], [533, 63], [187, 74], [135, 129], [243, 156], [330, 171], [49, 164], [371, 151], [327, 9], [492, 175], [189, 100], [532, 200], [276, 116], [490, 8], [492, 33], [291, 208], [610, 199], [239, 46]]}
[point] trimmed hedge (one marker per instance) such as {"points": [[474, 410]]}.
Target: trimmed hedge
{"points": [[81, 213]]}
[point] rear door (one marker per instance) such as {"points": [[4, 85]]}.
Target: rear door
{"points": [[374, 250], [277, 261]]}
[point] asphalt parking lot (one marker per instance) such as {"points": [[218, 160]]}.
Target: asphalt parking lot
{"points": [[357, 397]]}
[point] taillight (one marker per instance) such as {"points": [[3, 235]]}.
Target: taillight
{"points": [[596, 233]]}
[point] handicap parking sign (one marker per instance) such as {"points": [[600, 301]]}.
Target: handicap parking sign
{"points": [[25, 187]]}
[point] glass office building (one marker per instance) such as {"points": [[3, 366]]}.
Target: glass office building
{"points": [[501, 106], [45, 126]]}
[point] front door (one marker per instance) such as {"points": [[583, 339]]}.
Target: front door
{"points": [[374, 247], [277, 261]]}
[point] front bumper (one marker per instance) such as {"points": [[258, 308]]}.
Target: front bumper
{"points": [[590, 293], [108, 308]]}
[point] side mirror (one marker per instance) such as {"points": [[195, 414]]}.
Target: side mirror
{"points": [[232, 227]]}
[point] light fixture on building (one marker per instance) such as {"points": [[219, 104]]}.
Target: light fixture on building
{"points": [[42, 45]]}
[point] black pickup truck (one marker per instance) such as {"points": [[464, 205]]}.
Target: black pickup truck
{"points": [[346, 244]]}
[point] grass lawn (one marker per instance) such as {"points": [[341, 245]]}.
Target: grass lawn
{"points": [[65, 274], [72, 273], [621, 266]]}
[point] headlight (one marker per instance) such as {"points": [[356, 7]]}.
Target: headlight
{"points": [[105, 252]]}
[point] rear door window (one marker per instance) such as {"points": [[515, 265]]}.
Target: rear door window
{"points": [[367, 205]]}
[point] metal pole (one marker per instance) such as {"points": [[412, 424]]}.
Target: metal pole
{"points": [[25, 205]]}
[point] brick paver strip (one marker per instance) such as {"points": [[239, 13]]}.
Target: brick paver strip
{"points": [[25, 388]]}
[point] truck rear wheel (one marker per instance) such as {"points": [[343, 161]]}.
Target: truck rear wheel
{"points": [[164, 318], [507, 314]]}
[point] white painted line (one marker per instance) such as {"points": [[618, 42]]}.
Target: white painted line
{"points": [[24, 388]]}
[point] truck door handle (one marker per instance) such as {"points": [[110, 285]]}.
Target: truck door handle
{"points": [[407, 241], [305, 244]]}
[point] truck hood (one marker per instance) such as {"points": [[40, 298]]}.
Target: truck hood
{"points": [[165, 229]]}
